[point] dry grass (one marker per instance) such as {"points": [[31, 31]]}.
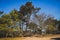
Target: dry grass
{"points": [[47, 37], [17, 38]]}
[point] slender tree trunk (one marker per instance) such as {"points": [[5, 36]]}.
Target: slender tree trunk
{"points": [[26, 26], [22, 28]]}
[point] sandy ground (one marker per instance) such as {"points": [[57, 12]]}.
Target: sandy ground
{"points": [[37, 38], [42, 38], [32, 38]]}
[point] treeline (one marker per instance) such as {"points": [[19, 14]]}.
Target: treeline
{"points": [[14, 23]]}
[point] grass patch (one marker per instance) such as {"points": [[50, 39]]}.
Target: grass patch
{"points": [[17, 38]]}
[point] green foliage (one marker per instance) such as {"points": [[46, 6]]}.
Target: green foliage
{"points": [[32, 26], [51, 28], [1, 12], [13, 22], [8, 21], [14, 15]]}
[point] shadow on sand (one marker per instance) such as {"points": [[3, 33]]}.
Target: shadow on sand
{"points": [[55, 38]]}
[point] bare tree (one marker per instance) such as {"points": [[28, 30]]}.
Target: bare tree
{"points": [[44, 22]]}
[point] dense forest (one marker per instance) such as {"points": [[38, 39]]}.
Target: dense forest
{"points": [[18, 23]]}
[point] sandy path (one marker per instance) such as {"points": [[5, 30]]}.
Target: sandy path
{"points": [[37, 38], [32, 38], [42, 38]]}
